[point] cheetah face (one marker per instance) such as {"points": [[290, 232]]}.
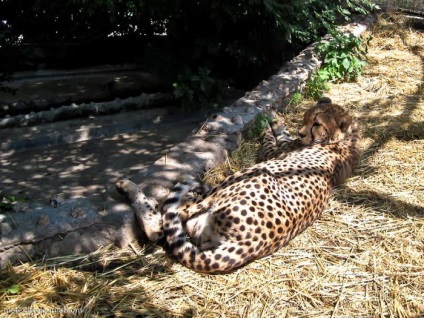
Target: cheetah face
{"points": [[325, 123]]}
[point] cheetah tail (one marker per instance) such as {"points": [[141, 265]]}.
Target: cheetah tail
{"points": [[208, 261]]}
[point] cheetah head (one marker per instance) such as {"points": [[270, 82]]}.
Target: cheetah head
{"points": [[325, 123]]}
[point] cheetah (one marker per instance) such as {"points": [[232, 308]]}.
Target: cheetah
{"points": [[258, 210]]}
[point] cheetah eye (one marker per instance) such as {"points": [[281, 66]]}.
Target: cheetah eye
{"points": [[316, 124]]}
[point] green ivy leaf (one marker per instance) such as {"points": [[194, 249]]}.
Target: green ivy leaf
{"points": [[346, 64]]}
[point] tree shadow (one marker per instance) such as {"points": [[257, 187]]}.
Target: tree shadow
{"points": [[402, 127], [119, 269], [88, 167], [383, 203], [113, 291]]}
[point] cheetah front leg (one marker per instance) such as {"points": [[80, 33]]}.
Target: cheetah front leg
{"points": [[272, 140]]}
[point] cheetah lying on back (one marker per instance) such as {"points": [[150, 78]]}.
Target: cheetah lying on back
{"points": [[256, 211]]}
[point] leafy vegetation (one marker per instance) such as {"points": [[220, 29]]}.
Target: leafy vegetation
{"points": [[344, 56], [238, 41], [200, 89], [316, 86], [295, 99], [13, 289], [7, 202], [258, 125]]}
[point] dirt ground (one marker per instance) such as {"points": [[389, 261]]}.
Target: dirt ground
{"points": [[88, 167]]}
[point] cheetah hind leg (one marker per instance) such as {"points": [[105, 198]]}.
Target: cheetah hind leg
{"points": [[194, 191], [146, 211], [196, 187], [174, 200], [148, 216]]}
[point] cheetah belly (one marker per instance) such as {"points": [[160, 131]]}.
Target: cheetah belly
{"points": [[200, 230]]}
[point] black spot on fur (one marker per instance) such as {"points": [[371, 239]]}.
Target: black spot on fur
{"points": [[170, 216], [172, 200], [171, 232], [177, 244]]}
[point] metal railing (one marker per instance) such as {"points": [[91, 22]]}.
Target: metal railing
{"points": [[414, 6]]}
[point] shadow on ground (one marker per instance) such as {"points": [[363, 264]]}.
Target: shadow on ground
{"points": [[85, 168]]}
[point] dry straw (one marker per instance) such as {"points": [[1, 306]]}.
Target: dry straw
{"points": [[363, 258]]}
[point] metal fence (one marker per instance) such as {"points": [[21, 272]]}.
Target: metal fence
{"points": [[414, 6]]}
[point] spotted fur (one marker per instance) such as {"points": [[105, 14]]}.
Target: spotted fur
{"points": [[258, 210]]}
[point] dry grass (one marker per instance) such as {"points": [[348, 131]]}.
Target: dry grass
{"points": [[363, 258]]}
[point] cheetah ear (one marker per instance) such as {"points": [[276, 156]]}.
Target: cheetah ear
{"points": [[344, 122], [324, 100]]}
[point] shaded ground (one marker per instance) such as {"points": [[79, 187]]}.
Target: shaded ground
{"points": [[43, 160], [87, 167]]}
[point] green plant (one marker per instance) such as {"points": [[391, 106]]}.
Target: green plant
{"points": [[344, 57], [14, 289], [316, 86], [7, 202], [295, 99], [199, 89], [259, 124]]}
